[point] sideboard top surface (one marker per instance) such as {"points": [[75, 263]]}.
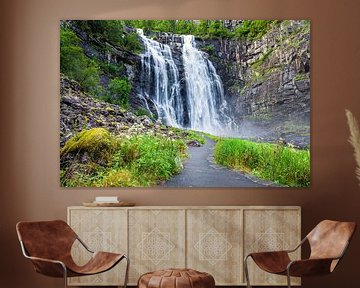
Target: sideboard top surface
{"points": [[193, 207]]}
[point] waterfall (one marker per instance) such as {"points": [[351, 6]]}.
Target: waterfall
{"points": [[204, 90], [203, 106], [161, 81]]}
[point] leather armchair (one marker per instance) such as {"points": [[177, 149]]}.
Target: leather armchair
{"points": [[328, 242], [48, 245]]}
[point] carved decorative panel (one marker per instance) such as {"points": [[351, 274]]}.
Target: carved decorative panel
{"points": [[101, 230], [269, 230], [214, 241], [208, 239], [156, 240]]}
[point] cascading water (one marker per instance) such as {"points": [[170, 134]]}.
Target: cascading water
{"points": [[162, 81], [203, 107], [204, 90]]}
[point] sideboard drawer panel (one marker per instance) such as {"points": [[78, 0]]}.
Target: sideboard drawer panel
{"points": [[156, 240], [214, 241], [101, 230], [270, 230]]}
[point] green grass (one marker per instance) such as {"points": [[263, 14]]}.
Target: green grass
{"points": [[212, 137], [277, 163], [187, 134], [96, 158]]}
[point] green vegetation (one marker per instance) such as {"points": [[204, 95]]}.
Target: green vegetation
{"points": [[97, 143], [254, 29], [262, 59], [75, 64], [187, 134], [301, 76], [97, 158], [119, 90], [88, 69], [111, 31], [283, 165], [111, 69], [249, 29], [210, 49], [212, 137], [143, 112]]}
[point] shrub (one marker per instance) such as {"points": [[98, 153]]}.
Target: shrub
{"points": [[217, 29], [119, 90], [209, 48], [117, 178], [202, 28], [75, 64], [253, 29], [277, 163], [111, 31], [143, 112]]}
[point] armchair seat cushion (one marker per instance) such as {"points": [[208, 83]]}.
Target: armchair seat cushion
{"points": [[272, 262], [99, 262]]}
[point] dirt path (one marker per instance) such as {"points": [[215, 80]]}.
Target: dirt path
{"points": [[201, 171]]}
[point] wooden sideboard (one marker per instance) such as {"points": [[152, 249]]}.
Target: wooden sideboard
{"points": [[211, 239]]}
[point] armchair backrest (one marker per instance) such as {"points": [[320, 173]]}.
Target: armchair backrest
{"points": [[46, 239], [329, 239]]}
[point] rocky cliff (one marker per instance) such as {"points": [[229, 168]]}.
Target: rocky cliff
{"points": [[79, 111], [266, 81]]}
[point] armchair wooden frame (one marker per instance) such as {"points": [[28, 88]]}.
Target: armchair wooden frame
{"points": [[320, 262], [65, 267]]}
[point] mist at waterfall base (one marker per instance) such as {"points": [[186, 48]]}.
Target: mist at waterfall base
{"points": [[194, 100]]}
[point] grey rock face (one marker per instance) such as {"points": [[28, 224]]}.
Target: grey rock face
{"points": [[267, 82], [79, 111]]}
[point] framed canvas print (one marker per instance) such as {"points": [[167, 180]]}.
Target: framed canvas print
{"points": [[185, 103]]}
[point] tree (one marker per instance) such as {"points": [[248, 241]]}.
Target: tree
{"points": [[217, 29], [253, 29], [119, 90], [185, 27], [202, 28], [75, 64]]}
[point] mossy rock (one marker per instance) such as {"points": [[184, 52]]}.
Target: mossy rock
{"points": [[97, 142]]}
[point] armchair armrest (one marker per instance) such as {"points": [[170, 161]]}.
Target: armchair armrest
{"points": [[298, 246], [49, 267], [314, 266], [279, 252]]}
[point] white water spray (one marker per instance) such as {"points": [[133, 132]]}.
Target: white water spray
{"points": [[203, 107]]}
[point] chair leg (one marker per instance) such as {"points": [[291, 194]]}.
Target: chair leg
{"points": [[288, 278], [65, 276], [126, 271], [246, 270]]}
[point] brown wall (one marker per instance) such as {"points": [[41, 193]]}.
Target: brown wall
{"points": [[29, 111]]}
